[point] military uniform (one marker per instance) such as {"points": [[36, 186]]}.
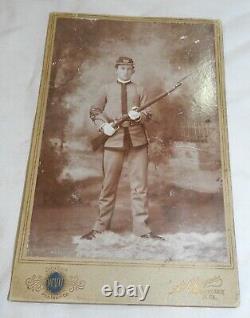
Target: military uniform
{"points": [[114, 100]]}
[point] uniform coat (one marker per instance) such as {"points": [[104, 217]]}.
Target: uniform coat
{"points": [[108, 108]]}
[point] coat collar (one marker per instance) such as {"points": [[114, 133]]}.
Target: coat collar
{"points": [[119, 81]]}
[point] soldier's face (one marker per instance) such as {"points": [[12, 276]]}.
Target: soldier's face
{"points": [[124, 72]]}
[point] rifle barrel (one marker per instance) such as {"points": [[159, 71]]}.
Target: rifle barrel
{"points": [[159, 97], [126, 117]]}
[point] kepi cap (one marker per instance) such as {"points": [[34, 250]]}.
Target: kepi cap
{"points": [[123, 60]]}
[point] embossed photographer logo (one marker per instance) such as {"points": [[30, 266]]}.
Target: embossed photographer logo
{"points": [[55, 282], [119, 290], [210, 288]]}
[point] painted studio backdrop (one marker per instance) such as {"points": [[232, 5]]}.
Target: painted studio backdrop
{"points": [[185, 185]]}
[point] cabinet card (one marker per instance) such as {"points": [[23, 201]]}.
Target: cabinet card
{"points": [[127, 198]]}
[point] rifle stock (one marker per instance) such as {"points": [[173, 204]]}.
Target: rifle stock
{"points": [[98, 141], [101, 139]]}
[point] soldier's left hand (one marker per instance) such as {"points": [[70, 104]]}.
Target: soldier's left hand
{"points": [[134, 114]]}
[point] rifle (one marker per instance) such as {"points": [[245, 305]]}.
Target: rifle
{"points": [[101, 139]]}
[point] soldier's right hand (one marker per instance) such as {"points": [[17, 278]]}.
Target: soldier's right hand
{"points": [[108, 129]]}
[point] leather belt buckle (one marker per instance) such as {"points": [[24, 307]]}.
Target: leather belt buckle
{"points": [[125, 124]]}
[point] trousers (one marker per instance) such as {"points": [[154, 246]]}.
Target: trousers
{"points": [[138, 171]]}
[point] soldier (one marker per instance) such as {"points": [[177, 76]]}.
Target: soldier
{"points": [[115, 99]]}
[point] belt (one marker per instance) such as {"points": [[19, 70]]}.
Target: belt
{"points": [[128, 123]]}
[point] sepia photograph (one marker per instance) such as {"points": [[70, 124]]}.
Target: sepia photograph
{"points": [[153, 188], [129, 163]]}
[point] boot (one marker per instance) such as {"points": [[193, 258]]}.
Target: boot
{"points": [[90, 235], [153, 236]]}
